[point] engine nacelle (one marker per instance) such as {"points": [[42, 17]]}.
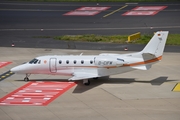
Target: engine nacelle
{"points": [[108, 61]]}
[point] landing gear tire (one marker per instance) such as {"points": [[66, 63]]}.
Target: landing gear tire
{"points": [[26, 79], [86, 82]]}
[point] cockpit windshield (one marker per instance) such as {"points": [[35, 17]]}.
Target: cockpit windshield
{"points": [[34, 61]]}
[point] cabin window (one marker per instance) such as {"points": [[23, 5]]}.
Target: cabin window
{"points": [[60, 61], [75, 61], [82, 61], [91, 62], [67, 61]]}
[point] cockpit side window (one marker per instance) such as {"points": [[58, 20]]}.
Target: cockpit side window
{"points": [[34, 61], [39, 61]]}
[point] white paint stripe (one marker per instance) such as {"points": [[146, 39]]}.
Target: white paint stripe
{"points": [[10, 98], [3, 103], [22, 91], [58, 89], [15, 95], [34, 83], [37, 103], [47, 98], [75, 29], [38, 91], [25, 100]]}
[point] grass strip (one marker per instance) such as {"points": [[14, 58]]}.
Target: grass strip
{"points": [[173, 39]]}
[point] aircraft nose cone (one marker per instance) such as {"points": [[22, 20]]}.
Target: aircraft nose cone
{"points": [[15, 69]]}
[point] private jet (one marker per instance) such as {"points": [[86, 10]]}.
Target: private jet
{"points": [[84, 67]]}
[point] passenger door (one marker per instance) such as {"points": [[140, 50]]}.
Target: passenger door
{"points": [[52, 65]]}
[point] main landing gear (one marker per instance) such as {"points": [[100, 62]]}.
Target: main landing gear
{"points": [[26, 79], [86, 82]]}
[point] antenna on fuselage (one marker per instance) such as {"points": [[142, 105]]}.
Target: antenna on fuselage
{"points": [[81, 54]]}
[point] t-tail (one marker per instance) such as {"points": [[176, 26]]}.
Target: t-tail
{"points": [[156, 44], [153, 51]]}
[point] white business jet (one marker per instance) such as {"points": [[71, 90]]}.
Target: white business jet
{"points": [[84, 67]]}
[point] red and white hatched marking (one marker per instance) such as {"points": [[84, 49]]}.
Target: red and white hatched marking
{"points": [[86, 11], [141, 13], [158, 8], [144, 10], [93, 8], [2, 64], [36, 93], [82, 13]]}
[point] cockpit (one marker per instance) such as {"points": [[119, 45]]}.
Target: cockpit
{"points": [[35, 61]]}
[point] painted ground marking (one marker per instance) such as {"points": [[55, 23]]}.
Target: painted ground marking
{"points": [[93, 8], [144, 10], [82, 13], [2, 64], [176, 88], [158, 8], [6, 75], [36, 93], [86, 11], [140, 13], [115, 11]]}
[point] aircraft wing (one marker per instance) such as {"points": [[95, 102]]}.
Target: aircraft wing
{"points": [[82, 75]]}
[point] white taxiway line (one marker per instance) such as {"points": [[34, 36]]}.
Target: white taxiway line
{"points": [[72, 29]]}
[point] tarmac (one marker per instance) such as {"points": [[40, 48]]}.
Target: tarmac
{"points": [[27, 24], [137, 95]]}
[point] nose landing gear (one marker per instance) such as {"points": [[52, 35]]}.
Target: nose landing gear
{"points": [[26, 79]]}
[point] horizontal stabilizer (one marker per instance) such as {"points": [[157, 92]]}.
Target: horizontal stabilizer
{"points": [[143, 67]]}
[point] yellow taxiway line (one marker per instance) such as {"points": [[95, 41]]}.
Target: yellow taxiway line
{"points": [[115, 11]]}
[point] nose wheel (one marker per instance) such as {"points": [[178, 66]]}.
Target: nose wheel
{"points": [[26, 79]]}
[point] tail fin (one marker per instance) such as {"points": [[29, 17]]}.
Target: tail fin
{"points": [[156, 45], [153, 51]]}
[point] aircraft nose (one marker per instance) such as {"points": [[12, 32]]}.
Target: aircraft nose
{"points": [[14, 69]]}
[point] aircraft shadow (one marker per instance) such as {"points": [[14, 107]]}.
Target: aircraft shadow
{"points": [[80, 88]]}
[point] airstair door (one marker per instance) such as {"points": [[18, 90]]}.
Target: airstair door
{"points": [[52, 65]]}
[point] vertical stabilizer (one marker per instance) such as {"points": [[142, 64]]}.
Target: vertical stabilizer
{"points": [[156, 44]]}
